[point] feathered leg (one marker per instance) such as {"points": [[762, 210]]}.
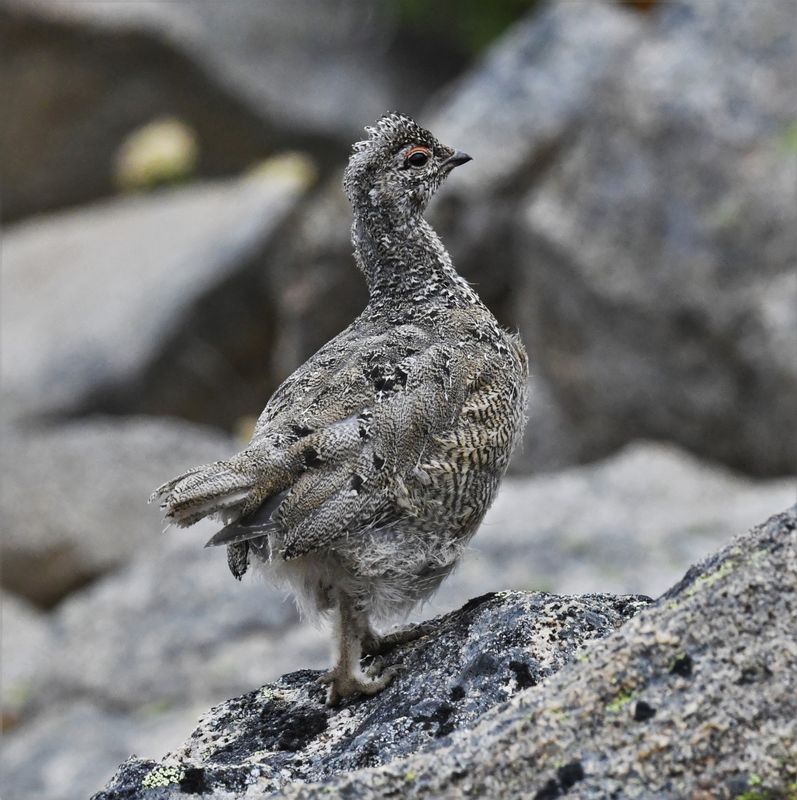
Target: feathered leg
{"points": [[346, 677]]}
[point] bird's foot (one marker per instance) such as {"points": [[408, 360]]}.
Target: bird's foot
{"points": [[375, 644], [343, 683]]}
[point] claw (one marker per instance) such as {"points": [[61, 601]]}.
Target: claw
{"points": [[342, 685]]}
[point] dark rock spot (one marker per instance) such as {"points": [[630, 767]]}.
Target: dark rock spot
{"points": [[570, 774], [193, 781], [457, 693], [475, 602], [682, 666], [443, 719], [437, 716], [483, 664], [550, 791], [274, 726], [379, 462], [523, 674], [296, 729], [367, 757], [753, 674], [643, 711]]}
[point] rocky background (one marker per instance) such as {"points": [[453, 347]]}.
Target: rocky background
{"points": [[176, 242]]}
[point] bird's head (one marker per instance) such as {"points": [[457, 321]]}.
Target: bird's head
{"points": [[398, 168]]}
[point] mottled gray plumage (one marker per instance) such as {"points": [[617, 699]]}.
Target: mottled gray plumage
{"points": [[374, 463]]}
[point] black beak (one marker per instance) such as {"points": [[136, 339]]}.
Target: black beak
{"points": [[458, 159]]}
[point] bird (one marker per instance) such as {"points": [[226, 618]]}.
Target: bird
{"points": [[373, 464]]}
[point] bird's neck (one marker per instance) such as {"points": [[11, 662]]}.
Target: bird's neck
{"points": [[406, 262]]}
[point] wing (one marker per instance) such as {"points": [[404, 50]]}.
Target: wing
{"points": [[352, 469], [360, 465]]}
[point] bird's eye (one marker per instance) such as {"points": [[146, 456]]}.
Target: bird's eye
{"points": [[417, 157]]}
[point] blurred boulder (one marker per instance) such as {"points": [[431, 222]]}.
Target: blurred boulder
{"points": [[172, 627], [515, 111], [630, 524], [74, 749], [27, 647], [660, 296], [633, 188], [152, 304], [313, 274], [247, 78], [74, 497]]}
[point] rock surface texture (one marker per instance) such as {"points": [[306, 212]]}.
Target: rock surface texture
{"points": [[475, 659], [695, 696], [660, 285]]}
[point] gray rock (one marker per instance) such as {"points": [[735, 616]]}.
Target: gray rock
{"points": [[170, 629], [515, 112], [276, 56], [475, 659], [148, 304], [529, 91], [632, 523], [74, 497], [173, 631], [662, 301], [695, 696], [27, 646], [312, 274], [109, 80], [75, 748]]}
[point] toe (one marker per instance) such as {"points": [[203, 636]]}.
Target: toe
{"points": [[326, 677]]}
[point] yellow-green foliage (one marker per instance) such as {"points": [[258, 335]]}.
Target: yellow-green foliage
{"points": [[163, 151], [619, 701], [162, 776]]}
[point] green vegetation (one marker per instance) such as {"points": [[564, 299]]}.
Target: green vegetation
{"points": [[619, 701], [469, 24], [164, 151], [162, 776], [790, 138]]}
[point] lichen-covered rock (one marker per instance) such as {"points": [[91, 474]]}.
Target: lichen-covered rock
{"points": [[695, 696], [630, 524], [475, 659]]}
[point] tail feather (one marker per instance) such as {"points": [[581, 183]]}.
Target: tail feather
{"points": [[213, 489]]}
